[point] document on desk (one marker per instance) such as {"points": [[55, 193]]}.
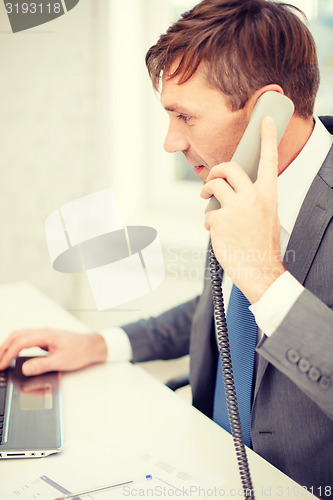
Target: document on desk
{"points": [[122, 457]]}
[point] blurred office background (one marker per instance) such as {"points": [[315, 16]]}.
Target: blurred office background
{"points": [[78, 115]]}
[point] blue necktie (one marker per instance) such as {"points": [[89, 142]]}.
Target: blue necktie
{"points": [[242, 333]]}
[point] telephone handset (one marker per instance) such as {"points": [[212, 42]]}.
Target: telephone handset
{"points": [[246, 155]]}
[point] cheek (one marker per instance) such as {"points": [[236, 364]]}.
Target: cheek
{"points": [[210, 144], [217, 148], [223, 137], [224, 143]]}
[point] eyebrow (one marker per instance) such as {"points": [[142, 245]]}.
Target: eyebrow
{"points": [[176, 108]]}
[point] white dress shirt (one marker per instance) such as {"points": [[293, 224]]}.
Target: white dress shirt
{"points": [[293, 185], [274, 305]]}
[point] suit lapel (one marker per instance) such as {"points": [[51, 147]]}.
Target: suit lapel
{"points": [[311, 224], [312, 221]]}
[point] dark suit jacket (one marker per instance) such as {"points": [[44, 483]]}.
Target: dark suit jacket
{"points": [[291, 423]]}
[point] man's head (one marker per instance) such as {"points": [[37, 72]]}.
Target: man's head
{"points": [[216, 61], [241, 46]]}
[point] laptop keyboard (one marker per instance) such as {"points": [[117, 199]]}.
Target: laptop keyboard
{"points": [[3, 387]]}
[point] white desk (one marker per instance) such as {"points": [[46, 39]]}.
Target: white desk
{"points": [[123, 396]]}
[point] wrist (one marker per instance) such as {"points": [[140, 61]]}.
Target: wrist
{"points": [[97, 347], [257, 288]]}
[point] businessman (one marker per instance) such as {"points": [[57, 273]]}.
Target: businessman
{"points": [[273, 238]]}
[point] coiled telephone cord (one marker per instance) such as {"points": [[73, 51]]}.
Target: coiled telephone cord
{"points": [[228, 377]]}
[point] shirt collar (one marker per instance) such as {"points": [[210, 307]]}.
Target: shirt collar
{"points": [[295, 181]]}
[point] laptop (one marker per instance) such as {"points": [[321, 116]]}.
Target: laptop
{"points": [[30, 413]]}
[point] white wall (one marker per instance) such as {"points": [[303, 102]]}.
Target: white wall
{"points": [[53, 146], [76, 112]]}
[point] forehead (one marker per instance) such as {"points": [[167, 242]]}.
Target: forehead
{"points": [[172, 90], [194, 94]]}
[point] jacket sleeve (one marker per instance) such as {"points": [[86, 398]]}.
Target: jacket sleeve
{"points": [[302, 348], [165, 337]]}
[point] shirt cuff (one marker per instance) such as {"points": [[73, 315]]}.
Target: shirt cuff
{"points": [[276, 303], [118, 344]]}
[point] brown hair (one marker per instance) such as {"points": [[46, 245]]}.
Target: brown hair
{"points": [[244, 45]]}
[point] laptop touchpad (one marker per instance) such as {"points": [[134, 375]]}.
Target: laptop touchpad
{"points": [[36, 395]]}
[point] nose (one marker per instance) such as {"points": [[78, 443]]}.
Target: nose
{"points": [[175, 139]]}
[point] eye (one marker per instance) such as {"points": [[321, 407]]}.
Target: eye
{"points": [[184, 118]]}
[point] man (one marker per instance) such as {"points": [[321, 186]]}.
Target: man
{"points": [[213, 65]]}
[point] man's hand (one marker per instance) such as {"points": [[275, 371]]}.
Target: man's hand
{"points": [[245, 230], [67, 350]]}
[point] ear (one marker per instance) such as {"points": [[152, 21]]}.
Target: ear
{"points": [[274, 87]]}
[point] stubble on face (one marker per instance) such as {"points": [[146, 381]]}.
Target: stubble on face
{"points": [[214, 132]]}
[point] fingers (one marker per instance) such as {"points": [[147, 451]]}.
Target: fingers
{"points": [[19, 340], [224, 181], [211, 218], [40, 364], [67, 350], [231, 172], [268, 164], [219, 188]]}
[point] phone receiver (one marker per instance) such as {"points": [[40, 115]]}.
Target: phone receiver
{"points": [[247, 154]]}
